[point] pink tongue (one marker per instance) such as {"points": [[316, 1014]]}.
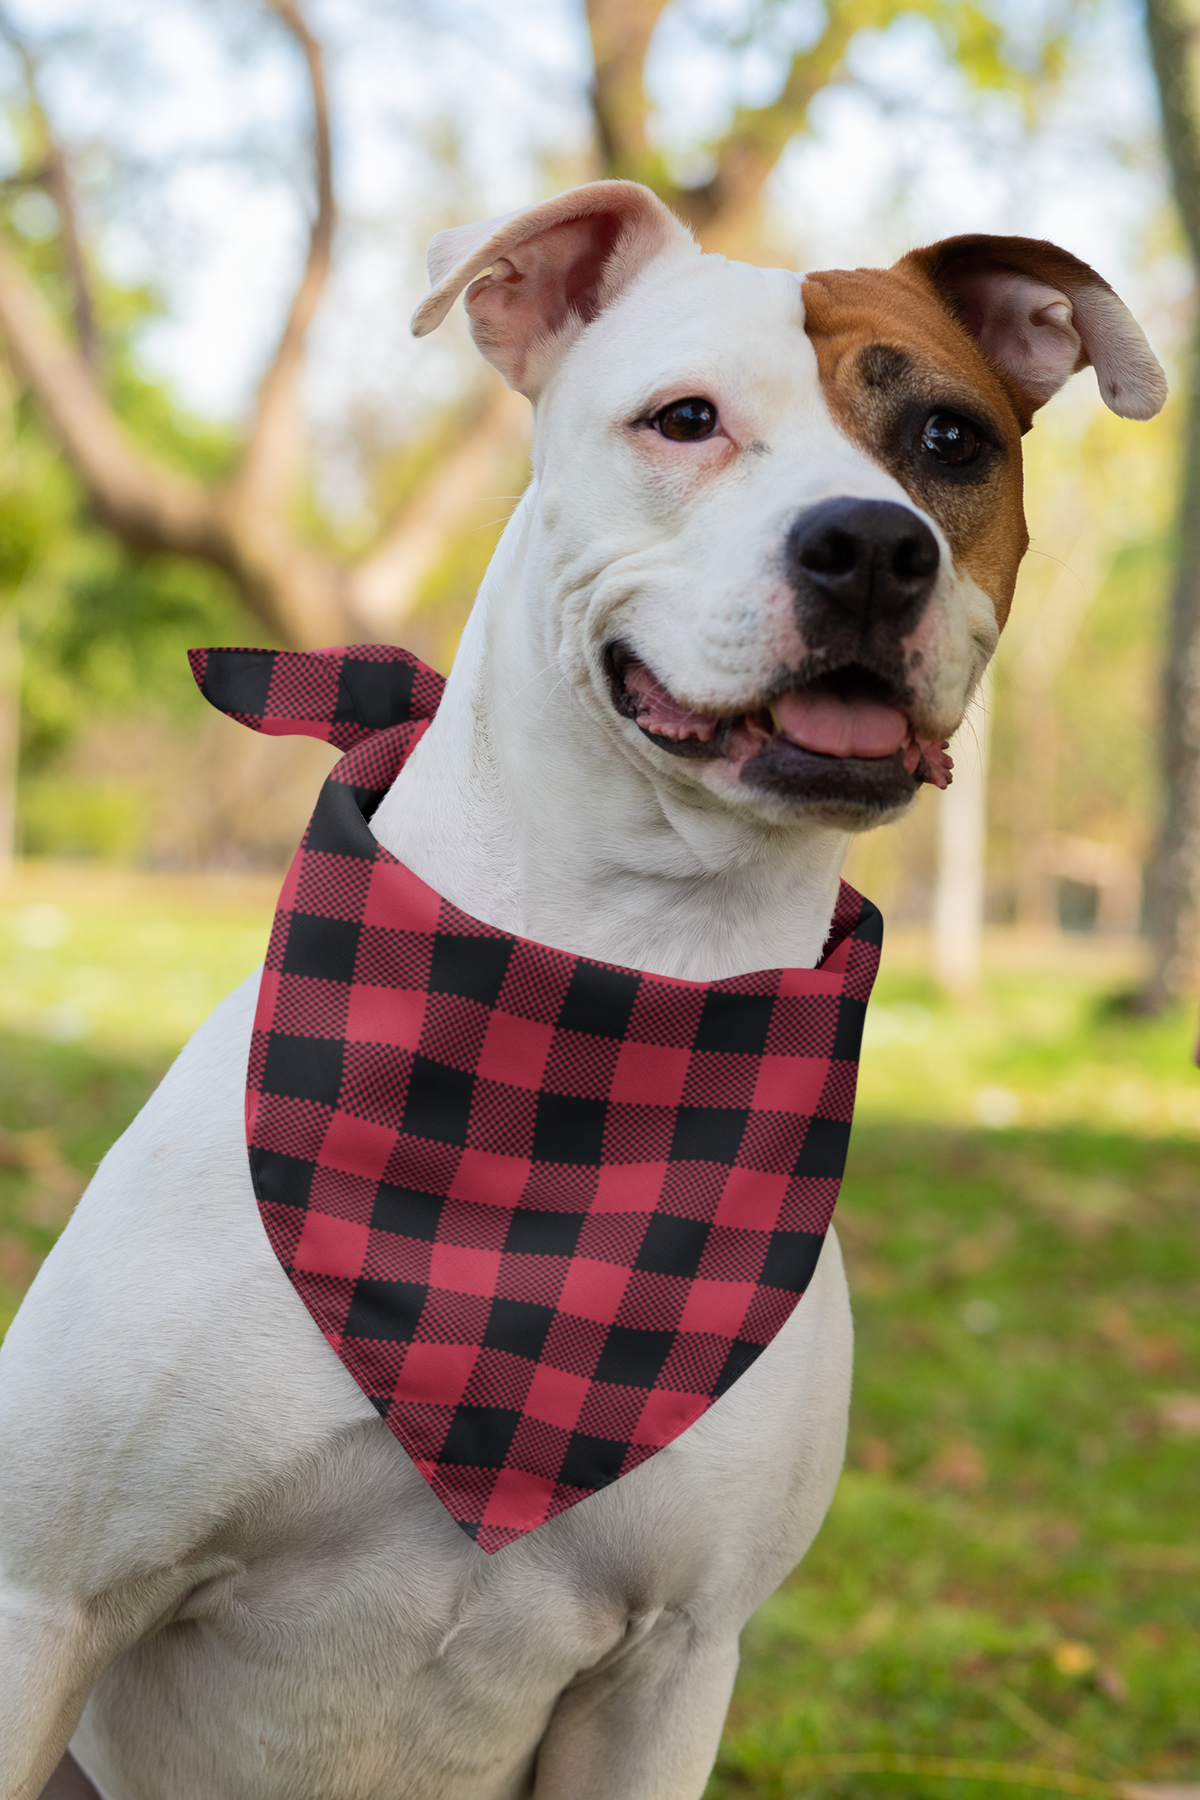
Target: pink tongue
{"points": [[836, 727]]}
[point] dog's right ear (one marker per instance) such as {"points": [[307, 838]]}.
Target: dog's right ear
{"points": [[1040, 315], [537, 277]]}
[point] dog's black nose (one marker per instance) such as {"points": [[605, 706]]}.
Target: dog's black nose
{"points": [[869, 559]]}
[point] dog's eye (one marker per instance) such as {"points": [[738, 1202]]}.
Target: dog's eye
{"points": [[951, 439], [686, 420]]}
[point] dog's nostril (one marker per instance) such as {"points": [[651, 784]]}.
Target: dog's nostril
{"points": [[916, 557], [862, 560], [830, 552]]}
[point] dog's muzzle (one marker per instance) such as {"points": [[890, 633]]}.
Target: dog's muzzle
{"points": [[839, 733]]}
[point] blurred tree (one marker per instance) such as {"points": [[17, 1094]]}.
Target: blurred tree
{"points": [[724, 209], [243, 520], [240, 522], [29, 521], [19, 535], [1173, 875], [90, 631]]}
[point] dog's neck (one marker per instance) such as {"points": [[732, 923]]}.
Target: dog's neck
{"points": [[523, 809]]}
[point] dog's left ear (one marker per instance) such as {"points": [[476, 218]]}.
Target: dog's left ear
{"points": [[1041, 314], [538, 276]]}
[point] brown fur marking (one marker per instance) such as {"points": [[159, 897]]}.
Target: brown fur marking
{"points": [[890, 352]]}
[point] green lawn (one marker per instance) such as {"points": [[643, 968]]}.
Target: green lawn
{"points": [[1011, 1570], [103, 975]]}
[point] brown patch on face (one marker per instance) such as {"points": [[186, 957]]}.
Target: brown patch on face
{"points": [[890, 355]]}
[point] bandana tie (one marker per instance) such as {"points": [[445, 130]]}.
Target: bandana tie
{"points": [[546, 1210]]}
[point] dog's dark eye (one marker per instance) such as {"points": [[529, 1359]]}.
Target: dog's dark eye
{"points": [[951, 439], [687, 420]]}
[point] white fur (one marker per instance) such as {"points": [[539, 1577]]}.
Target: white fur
{"points": [[203, 1524]]}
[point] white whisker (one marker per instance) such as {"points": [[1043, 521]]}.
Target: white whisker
{"points": [[524, 686]]}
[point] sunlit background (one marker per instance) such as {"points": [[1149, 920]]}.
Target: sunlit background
{"points": [[1008, 1573]]}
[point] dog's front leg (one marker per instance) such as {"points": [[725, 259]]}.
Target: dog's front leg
{"points": [[55, 1645], [45, 1691], [646, 1726], [50, 1657]]}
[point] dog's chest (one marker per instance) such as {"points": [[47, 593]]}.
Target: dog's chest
{"points": [[359, 1630], [341, 1633]]}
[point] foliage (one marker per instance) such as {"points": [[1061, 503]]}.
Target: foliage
{"points": [[22, 528], [103, 629], [104, 639], [109, 639]]}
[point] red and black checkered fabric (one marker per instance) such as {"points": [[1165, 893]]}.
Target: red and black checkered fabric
{"points": [[342, 696], [545, 1209]]}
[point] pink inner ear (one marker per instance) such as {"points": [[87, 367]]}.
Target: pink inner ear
{"points": [[1024, 326], [585, 275], [532, 292]]}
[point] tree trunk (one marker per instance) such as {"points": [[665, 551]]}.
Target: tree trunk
{"points": [[1173, 874], [962, 854], [10, 734], [1037, 890], [1039, 645], [385, 586]]}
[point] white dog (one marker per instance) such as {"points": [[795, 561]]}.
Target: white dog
{"points": [[770, 540]]}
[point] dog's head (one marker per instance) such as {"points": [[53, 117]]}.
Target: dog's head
{"points": [[778, 519]]}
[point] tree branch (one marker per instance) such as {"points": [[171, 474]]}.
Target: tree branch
{"points": [[148, 506], [758, 136], [296, 593], [385, 585], [274, 447], [58, 180], [722, 210], [621, 31], [242, 527], [55, 177], [1172, 50]]}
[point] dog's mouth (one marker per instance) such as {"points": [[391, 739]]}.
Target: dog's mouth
{"points": [[844, 737]]}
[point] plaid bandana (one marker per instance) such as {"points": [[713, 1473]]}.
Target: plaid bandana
{"points": [[546, 1210]]}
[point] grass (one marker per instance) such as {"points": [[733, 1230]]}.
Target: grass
{"points": [[1012, 1563], [103, 976], [1010, 1573], [1008, 1584]]}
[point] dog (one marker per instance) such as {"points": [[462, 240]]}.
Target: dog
{"points": [[769, 543]]}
